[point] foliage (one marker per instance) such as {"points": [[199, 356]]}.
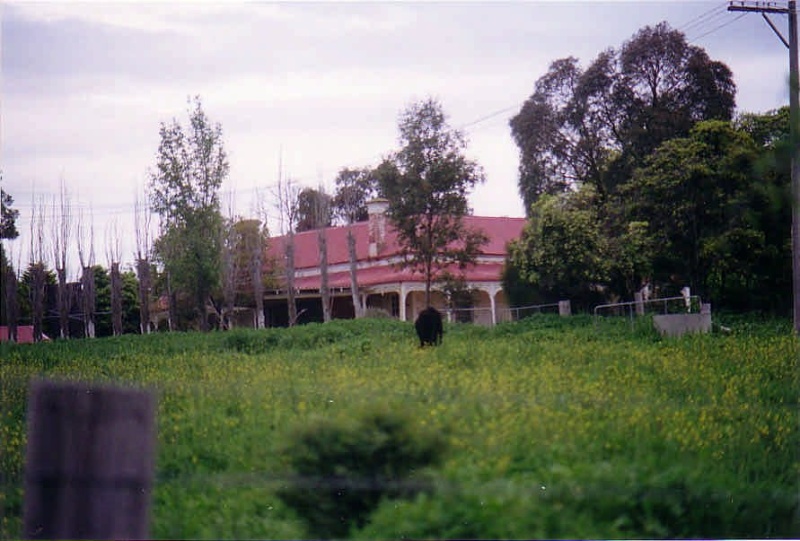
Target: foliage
{"points": [[710, 216], [102, 306], [314, 209], [555, 428], [562, 252], [596, 125], [344, 467], [8, 229], [708, 210], [426, 182], [190, 167], [8, 226], [130, 302], [248, 240], [354, 187]]}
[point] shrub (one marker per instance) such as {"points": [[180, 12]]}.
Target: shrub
{"points": [[377, 313], [342, 468]]}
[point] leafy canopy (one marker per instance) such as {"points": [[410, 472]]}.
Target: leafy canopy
{"points": [[597, 125], [426, 183], [191, 165]]}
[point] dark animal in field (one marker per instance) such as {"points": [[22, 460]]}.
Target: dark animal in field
{"points": [[429, 327]]}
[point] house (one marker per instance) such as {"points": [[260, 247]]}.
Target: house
{"points": [[382, 284]]}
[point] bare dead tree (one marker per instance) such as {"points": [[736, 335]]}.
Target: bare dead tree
{"points": [[113, 258], [257, 276], [321, 212], [354, 187], [229, 267], [86, 256], [61, 223], [286, 201], [257, 261], [144, 243], [37, 267]]}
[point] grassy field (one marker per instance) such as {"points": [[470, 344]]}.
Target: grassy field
{"points": [[554, 427]]}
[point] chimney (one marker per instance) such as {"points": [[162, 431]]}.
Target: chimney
{"points": [[376, 208]]}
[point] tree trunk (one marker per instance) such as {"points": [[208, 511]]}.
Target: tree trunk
{"points": [[258, 285], [228, 293], [324, 290], [351, 252], [38, 300], [143, 271], [116, 300], [88, 301], [63, 303], [201, 303], [172, 313], [428, 274], [12, 308], [290, 297]]}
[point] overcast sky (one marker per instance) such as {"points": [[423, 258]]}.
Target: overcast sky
{"points": [[85, 85]]}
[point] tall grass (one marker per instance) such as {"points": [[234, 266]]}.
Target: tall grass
{"points": [[555, 427]]}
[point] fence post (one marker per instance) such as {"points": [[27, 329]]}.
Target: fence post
{"points": [[564, 308], [90, 461]]}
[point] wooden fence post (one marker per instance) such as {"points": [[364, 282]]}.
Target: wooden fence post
{"points": [[90, 461]]}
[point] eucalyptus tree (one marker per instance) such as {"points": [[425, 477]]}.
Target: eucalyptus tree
{"points": [[426, 182], [596, 125]]}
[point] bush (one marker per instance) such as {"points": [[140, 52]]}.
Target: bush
{"points": [[342, 468], [377, 313]]}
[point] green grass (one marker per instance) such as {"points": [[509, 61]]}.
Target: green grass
{"points": [[554, 427]]}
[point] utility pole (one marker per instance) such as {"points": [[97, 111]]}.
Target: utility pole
{"points": [[794, 126]]}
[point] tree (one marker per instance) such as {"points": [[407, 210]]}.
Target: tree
{"points": [[250, 247], [37, 268], [113, 257], [354, 187], [190, 168], [323, 213], [88, 287], [61, 232], [144, 245], [8, 230], [597, 125], [8, 223], [130, 303], [711, 212], [562, 252], [426, 182], [315, 212], [286, 198], [314, 209], [103, 317]]}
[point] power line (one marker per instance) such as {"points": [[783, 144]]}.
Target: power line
{"points": [[715, 29], [704, 18]]}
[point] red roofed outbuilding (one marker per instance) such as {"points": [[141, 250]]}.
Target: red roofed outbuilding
{"points": [[382, 283]]}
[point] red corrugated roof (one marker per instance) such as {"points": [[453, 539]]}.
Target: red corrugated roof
{"points": [[499, 231], [388, 274]]}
